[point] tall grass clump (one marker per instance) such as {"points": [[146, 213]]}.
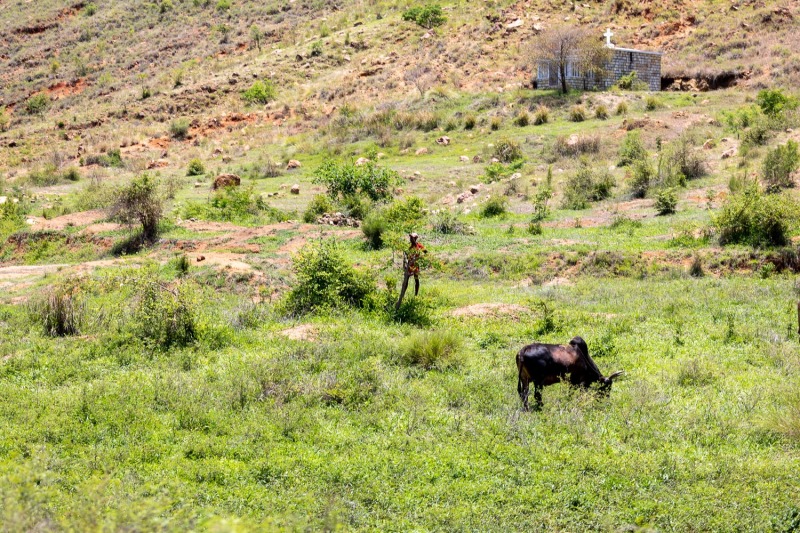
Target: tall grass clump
{"points": [[780, 165], [494, 207], [541, 115], [522, 119], [586, 185], [448, 223], [431, 349], [318, 206], [325, 280], [165, 315], [601, 112], [507, 150], [632, 149], [577, 113], [260, 92], [60, 312], [179, 128], [195, 168], [758, 219]]}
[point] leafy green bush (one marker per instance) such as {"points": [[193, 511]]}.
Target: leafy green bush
{"points": [[405, 215], [739, 119], [318, 206], [497, 171], [325, 280], [223, 5], [541, 115], [60, 312], [428, 16], [622, 108], [231, 204], [494, 206], [601, 112], [641, 177], [773, 102], [683, 159], [195, 168], [346, 179], [261, 92], [469, 122], [757, 134], [448, 223], [632, 149], [666, 201], [780, 165], [577, 113], [631, 82], [431, 349], [507, 150], [37, 104], [178, 128], [585, 186], [522, 119], [140, 202], [651, 103], [757, 219], [164, 316], [373, 228]]}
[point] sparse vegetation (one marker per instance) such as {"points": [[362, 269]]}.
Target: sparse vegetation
{"points": [[195, 168], [586, 185], [751, 217], [139, 202], [541, 115], [428, 16], [37, 104], [494, 207], [780, 164], [260, 92], [666, 201]]}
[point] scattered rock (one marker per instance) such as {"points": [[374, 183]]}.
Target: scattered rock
{"points": [[475, 189], [362, 161], [197, 184], [463, 197], [422, 151], [226, 159], [729, 153], [295, 189], [338, 219], [201, 258], [464, 159], [495, 160], [477, 159], [514, 25], [226, 180], [3, 199], [444, 140], [292, 164], [158, 163], [709, 144]]}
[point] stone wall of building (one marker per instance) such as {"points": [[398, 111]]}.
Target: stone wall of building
{"points": [[647, 66]]}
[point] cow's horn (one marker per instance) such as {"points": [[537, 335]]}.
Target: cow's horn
{"points": [[615, 374]]}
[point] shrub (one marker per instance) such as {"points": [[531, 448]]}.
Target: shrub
{"points": [[90, 9], [685, 160], [44, 176], [373, 228], [179, 128], [469, 122], [507, 151], [431, 349], [195, 168], [666, 201], [540, 201], [757, 134], [494, 206], [541, 115], [405, 215], [261, 169], [753, 218], [426, 121], [181, 264], [773, 102], [71, 174], [696, 268], [5, 119], [641, 177], [325, 280], [345, 179], [577, 113], [651, 103], [779, 165], [223, 5], [632, 149], [535, 227], [601, 112], [140, 202], [428, 16], [586, 186], [318, 206], [261, 92], [316, 49], [231, 204], [37, 104], [495, 124], [60, 312], [522, 119], [448, 223], [164, 316], [576, 145], [498, 171], [622, 108], [631, 82]]}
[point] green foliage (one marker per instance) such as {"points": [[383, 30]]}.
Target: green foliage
{"points": [[757, 134], [318, 206], [494, 207], [497, 171], [90, 9], [522, 119], [632, 149], [577, 113], [448, 223], [260, 92], [586, 185], [622, 108], [112, 159], [223, 5], [164, 315], [346, 179], [428, 16], [181, 264], [325, 280], [780, 165], [400, 217], [757, 219], [540, 203], [641, 177], [666, 201], [631, 82], [195, 168], [61, 311], [469, 122], [601, 112], [740, 119], [773, 102], [431, 349], [5, 119], [495, 123], [232, 204], [139, 202], [316, 49], [651, 103], [541, 115], [682, 159], [178, 128], [507, 150], [373, 228], [37, 104]]}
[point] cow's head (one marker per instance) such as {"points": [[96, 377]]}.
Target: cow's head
{"points": [[606, 382]]}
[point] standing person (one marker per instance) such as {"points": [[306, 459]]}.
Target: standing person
{"points": [[411, 266]]}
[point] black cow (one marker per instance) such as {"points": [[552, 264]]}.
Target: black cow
{"points": [[545, 364]]}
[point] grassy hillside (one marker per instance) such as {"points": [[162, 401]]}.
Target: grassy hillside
{"points": [[246, 370]]}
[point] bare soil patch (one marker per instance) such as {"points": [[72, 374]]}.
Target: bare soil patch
{"points": [[303, 332], [489, 309]]}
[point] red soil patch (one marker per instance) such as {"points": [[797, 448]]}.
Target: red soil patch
{"points": [[489, 309], [225, 122], [303, 332], [66, 88], [73, 219], [161, 143]]}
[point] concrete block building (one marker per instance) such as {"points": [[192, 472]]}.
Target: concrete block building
{"points": [[622, 61]]}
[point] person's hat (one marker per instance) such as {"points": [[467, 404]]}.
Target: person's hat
{"points": [[413, 235]]}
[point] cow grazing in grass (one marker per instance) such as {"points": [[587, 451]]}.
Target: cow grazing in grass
{"points": [[545, 364]]}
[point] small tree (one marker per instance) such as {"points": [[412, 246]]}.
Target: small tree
{"points": [[563, 45], [140, 202], [428, 16], [421, 77], [779, 165], [773, 102], [256, 35]]}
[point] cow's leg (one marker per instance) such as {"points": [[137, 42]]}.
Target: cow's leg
{"points": [[523, 387], [537, 394]]}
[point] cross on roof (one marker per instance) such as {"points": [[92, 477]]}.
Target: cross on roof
{"points": [[608, 34]]}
